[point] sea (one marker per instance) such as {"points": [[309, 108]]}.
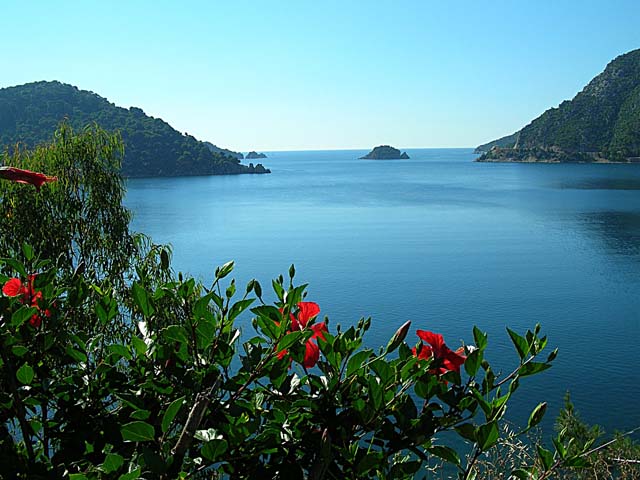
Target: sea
{"points": [[440, 240]]}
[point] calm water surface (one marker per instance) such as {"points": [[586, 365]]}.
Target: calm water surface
{"points": [[442, 241]]}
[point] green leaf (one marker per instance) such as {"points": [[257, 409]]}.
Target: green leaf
{"points": [[120, 350], [77, 476], [356, 361], [213, 449], [141, 414], [25, 374], [277, 288], [467, 431], [532, 368], [369, 461], [207, 435], [112, 462], [28, 251], [487, 435], [536, 415], [175, 333], [205, 332], [375, 392], [170, 413], [75, 354], [522, 474], [23, 314], [480, 338], [135, 474], [473, 361], [576, 462], [137, 432], [239, 307], [546, 457], [560, 448], [16, 265], [19, 350], [141, 297], [289, 339], [138, 345], [522, 347], [384, 371], [446, 453]]}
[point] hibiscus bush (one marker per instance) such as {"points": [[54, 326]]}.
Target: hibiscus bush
{"points": [[183, 390], [125, 370]]}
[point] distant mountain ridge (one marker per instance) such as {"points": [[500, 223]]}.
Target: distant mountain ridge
{"points": [[30, 113], [504, 142], [224, 151], [600, 124]]}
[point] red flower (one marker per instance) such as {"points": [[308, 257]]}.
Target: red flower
{"points": [[307, 312], [445, 359], [14, 288], [25, 176]]}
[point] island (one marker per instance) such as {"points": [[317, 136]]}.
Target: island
{"points": [[31, 113], [385, 152], [258, 168], [253, 155], [600, 125]]}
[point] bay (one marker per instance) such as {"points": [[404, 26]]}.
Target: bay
{"points": [[443, 241]]}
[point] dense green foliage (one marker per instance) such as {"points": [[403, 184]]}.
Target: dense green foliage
{"points": [[30, 113], [79, 219], [601, 123]]}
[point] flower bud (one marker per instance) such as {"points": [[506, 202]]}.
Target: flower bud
{"points": [[398, 337]]}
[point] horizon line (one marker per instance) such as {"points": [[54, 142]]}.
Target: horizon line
{"points": [[350, 149]]}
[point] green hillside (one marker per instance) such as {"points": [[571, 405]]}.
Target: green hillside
{"points": [[504, 142], [30, 113], [601, 123]]}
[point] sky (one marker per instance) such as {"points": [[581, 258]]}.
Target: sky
{"points": [[308, 75]]}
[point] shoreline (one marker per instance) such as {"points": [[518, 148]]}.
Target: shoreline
{"points": [[601, 162]]}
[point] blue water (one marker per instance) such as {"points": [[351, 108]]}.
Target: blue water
{"points": [[440, 240]]}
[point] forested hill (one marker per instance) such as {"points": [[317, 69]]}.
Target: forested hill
{"points": [[30, 113], [601, 123]]}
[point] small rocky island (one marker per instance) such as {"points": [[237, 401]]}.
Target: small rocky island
{"points": [[258, 168], [253, 155], [385, 152]]}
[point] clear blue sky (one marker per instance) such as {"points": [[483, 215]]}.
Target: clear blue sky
{"points": [[293, 75]]}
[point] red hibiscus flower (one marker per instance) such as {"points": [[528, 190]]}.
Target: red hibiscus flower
{"points": [[445, 360], [25, 176], [307, 311], [14, 288]]}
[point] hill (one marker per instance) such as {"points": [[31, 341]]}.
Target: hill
{"points": [[30, 113], [224, 151], [600, 124]]}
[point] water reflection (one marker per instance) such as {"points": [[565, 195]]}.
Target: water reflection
{"points": [[619, 232], [600, 184]]}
